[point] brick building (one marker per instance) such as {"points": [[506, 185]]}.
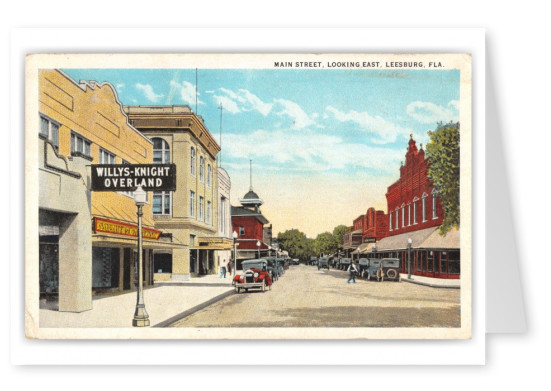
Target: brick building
{"points": [[414, 215]]}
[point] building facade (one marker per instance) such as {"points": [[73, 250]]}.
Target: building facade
{"points": [[249, 225], [189, 214], [87, 240], [224, 254], [414, 215]]}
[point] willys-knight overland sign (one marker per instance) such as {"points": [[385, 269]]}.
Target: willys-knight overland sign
{"points": [[128, 177]]}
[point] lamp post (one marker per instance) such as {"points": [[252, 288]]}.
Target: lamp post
{"points": [[234, 236], [409, 258], [258, 248], [141, 318]]}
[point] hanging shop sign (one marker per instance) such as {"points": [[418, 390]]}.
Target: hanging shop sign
{"points": [[118, 228], [127, 177]]}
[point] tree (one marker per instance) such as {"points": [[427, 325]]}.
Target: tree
{"points": [[338, 233], [296, 243], [325, 243], [442, 153]]}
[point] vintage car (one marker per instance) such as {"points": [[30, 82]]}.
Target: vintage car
{"points": [[363, 264], [295, 261], [391, 269], [280, 265], [323, 263], [254, 275], [313, 261], [273, 269], [345, 262], [374, 270]]}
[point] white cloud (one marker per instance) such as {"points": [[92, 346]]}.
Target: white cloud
{"points": [[148, 92], [186, 91], [385, 131], [119, 86], [306, 151], [430, 113], [301, 120], [227, 103], [242, 100]]}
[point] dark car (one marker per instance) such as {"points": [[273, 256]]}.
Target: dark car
{"points": [[273, 269], [391, 269], [313, 261], [254, 275], [323, 263], [363, 264], [280, 265], [345, 262], [374, 270]]}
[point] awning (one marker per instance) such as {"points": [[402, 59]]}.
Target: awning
{"points": [[214, 243], [400, 242], [101, 240], [435, 241]]}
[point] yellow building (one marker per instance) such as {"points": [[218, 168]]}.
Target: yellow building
{"points": [[190, 213], [87, 239]]}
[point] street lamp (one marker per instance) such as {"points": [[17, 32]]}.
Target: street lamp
{"points": [[258, 247], [141, 318], [409, 258], [234, 236]]}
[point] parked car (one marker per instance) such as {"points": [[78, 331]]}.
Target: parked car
{"points": [[323, 263], [295, 261], [273, 269], [280, 265], [313, 261], [391, 269], [363, 264], [374, 270], [345, 262], [254, 275]]}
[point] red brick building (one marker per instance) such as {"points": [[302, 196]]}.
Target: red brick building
{"points": [[414, 215], [249, 224]]}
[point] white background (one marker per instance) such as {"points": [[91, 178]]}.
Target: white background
{"points": [[517, 50]]}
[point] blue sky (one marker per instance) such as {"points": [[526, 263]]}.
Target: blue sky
{"points": [[302, 126]]}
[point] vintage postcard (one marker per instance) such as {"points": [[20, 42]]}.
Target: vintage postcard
{"points": [[248, 196]]}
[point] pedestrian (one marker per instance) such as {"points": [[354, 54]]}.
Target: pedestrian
{"points": [[230, 266], [223, 268], [352, 270]]}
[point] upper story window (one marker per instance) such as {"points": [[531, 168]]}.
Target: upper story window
{"points": [[403, 216], [222, 216], [241, 231], [397, 219], [192, 203], [106, 157], [415, 210], [209, 205], [424, 208], [80, 145], [209, 176], [162, 202], [161, 151], [409, 215], [192, 161], [202, 169], [434, 213], [49, 130], [201, 208], [390, 222]]}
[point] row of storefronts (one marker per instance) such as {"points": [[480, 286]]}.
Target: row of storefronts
{"points": [[88, 239], [410, 229]]}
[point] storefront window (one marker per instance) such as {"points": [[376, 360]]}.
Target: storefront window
{"points": [[454, 266], [163, 263], [430, 264], [105, 267], [444, 262]]}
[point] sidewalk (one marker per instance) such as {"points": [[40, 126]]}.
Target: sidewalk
{"points": [[164, 302], [432, 282]]}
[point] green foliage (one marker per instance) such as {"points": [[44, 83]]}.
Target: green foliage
{"points": [[296, 243], [338, 233], [325, 243], [443, 154]]}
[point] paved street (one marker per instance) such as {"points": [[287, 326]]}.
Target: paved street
{"points": [[306, 297]]}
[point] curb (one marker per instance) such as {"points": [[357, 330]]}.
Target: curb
{"points": [[430, 285], [192, 310]]}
